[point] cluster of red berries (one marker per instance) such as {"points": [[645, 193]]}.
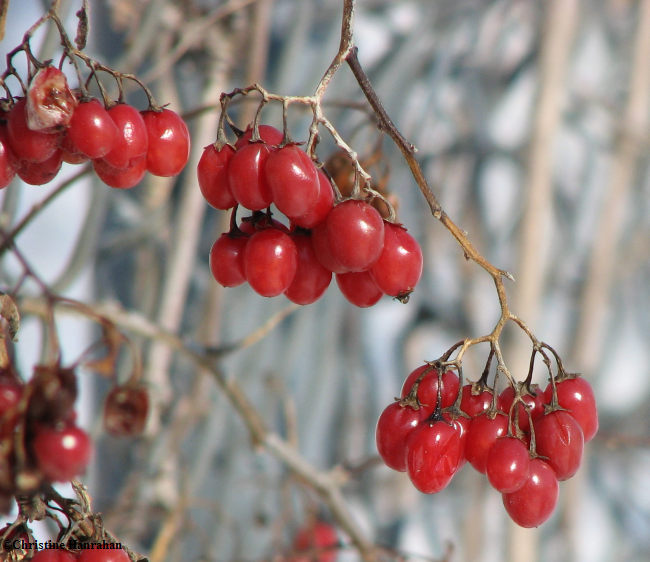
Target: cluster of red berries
{"points": [[369, 256], [425, 435], [53, 124], [50, 446]]}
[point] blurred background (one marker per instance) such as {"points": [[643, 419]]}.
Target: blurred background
{"points": [[531, 121]]}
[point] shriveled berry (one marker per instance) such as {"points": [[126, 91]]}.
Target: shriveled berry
{"points": [[50, 102], [125, 410]]}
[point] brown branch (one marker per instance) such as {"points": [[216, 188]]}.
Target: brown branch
{"points": [[408, 152], [326, 483]]}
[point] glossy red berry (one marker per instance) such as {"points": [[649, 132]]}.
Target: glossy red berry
{"points": [[483, 433], [473, 404], [33, 146], [355, 231], [92, 131], [323, 251], [55, 555], [270, 261], [268, 134], [507, 464], [427, 392], [103, 555], [227, 259], [246, 176], [358, 288], [212, 172], [62, 454], [293, 180], [399, 266], [433, 454], [534, 502], [534, 402], [577, 396], [40, 173], [8, 161], [558, 437], [393, 427], [168, 142], [50, 102], [132, 140], [461, 426], [311, 279], [121, 178], [318, 541], [324, 203]]}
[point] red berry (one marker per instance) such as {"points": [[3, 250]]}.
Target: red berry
{"points": [[399, 266], [534, 401], [40, 173], [169, 142], [55, 555], [534, 502], [92, 131], [70, 153], [293, 180], [10, 394], [50, 103], [319, 540], [558, 436], [318, 213], [132, 140], [62, 454], [577, 396], [359, 288], [121, 178], [227, 259], [270, 261], [103, 555], [246, 178], [323, 251], [507, 464], [483, 433], [33, 146], [8, 161], [428, 387], [268, 134], [212, 172], [433, 454], [474, 404], [311, 279], [394, 425], [461, 426], [355, 231]]}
